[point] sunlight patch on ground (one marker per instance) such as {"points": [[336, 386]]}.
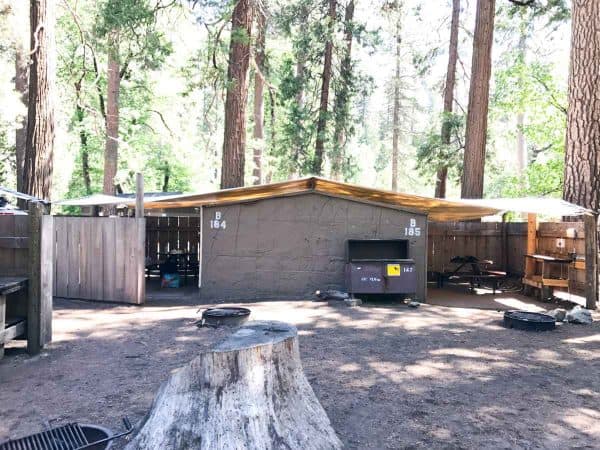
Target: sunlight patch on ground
{"points": [[550, 356], [585, 420], [491, 354], [586, 393], [349, 367], [583, 339], [515, 303]]}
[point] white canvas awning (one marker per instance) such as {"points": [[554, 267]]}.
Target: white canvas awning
{"points": [[554, 207]]}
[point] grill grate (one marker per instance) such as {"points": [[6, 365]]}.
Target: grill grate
{"points": [[66, 437]]}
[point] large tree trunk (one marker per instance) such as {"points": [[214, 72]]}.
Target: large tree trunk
{"points": [[479, 92], [582, 155], [442, 174], [39, 148], [343, 97], [317, 166], [259, 87], [248, 392], [111, 148], [234, 140], [20, 15], [396, 108]]}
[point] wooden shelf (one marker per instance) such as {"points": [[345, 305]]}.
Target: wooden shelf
{"points": [[15, 327], [538, 282]]}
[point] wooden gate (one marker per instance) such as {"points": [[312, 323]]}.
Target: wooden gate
{"points": [[100, 258]]}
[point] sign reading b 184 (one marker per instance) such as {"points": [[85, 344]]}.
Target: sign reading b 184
{"points": [[217, 223]]}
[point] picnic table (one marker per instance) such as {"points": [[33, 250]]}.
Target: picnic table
{"points": [[11, 325], [473, 270], [187, 264]]}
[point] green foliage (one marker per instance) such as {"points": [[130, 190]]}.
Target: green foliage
{"points": [[173, 55], [542, 178], [128, 29], [525, 85], [306, 25], [433, 153]]}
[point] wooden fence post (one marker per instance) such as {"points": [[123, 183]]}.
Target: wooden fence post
{"points": [[139, 196], [41, 263], [504, 243], [591, 260], [141, 238]]}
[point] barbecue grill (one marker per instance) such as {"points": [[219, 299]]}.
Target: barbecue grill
{"points": [[71, 436], [380, 266]]}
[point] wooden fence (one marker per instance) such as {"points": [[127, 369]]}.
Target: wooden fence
{"points": [[100, 258], [164, 234], [505, 244], [14, 245]]}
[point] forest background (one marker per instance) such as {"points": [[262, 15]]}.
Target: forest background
{"points": [[380, 125]]}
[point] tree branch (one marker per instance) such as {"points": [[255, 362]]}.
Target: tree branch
{"points": [[522, 2]]}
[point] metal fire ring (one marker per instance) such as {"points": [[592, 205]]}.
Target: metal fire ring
{"points": [[228, 316], [530, 321]]}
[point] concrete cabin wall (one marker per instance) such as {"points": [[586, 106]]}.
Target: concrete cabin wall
{"points": [[288, 247]]}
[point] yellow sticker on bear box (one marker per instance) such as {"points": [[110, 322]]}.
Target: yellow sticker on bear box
{"points": [[393, 270]]}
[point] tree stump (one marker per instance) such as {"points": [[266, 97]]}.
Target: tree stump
{"points": [[249, 392]]}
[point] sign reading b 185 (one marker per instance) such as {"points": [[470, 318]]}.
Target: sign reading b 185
{"points": [[413, 229]]}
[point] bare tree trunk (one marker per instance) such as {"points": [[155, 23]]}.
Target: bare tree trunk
{"points": [[249, 392], [259, 85], [521, 149], [20, 15], [39, 147], [166, 177], [582, 155], [111, 148], [300, 70], [442, 174], [300, 80], [396, 110], [83, 140], [342, 98], [317, 166], [234, 140], [300, 73], [479, 92], [521, 153]]}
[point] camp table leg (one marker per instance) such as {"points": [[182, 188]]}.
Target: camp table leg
{"points": [[2, 323]]}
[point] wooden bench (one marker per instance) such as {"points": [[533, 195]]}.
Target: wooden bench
{"points": [[13, 323]]}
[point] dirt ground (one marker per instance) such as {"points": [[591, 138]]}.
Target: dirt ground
{"points": [[389, 377]]}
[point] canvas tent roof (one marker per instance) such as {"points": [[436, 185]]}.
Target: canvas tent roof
{"points": [[121, 199], [437, 209]]}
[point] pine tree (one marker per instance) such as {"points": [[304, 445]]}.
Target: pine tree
{"points": [[39, 148], [582, 156], [234, 141], [479, 91], [442, 173]]}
